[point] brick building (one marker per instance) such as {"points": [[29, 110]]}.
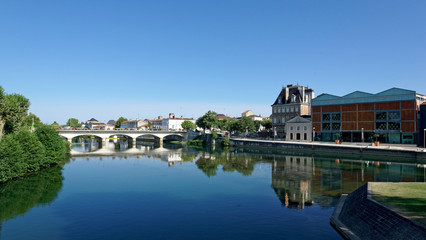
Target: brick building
{"points": [[392, 113], [292, 101]]}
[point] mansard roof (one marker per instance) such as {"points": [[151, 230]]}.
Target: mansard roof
{"points": [[392, 94]]}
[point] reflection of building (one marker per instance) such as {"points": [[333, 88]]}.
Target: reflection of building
{"points": [[291, 102], [172, 158], [291, 181], [391, 113]]}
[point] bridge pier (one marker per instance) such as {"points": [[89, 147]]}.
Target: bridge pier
{"points": [[133, 142], [161, 141], [104, 142]]}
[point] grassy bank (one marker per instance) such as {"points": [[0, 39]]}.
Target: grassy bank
{"points": [[406, 198]]}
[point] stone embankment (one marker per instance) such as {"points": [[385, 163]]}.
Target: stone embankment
{"points": [[391, 150], [358, 216]]}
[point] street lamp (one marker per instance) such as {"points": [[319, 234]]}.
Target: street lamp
{"points": [[275, 132], [362, 134], [313, 134]]}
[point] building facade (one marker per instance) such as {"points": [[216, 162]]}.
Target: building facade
{"points": [[390, 116], [422, 126], [298, 129], [292, 101]]}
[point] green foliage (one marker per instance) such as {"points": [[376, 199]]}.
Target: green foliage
{"points": [[55, 125], [208, 120], [56, 147], [73, 122], [34, 153], [28, 121], [11, 158], [226, 142], [188, 125], [15, 108], [226, 124], [119, 121], [267, 123], [257, 124], [214, 135], [244, 124]]}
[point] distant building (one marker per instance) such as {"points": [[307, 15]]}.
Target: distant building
{"points": [[89, 123], [299, 129], [392, 114], [247, 113], [102, 126], [133, 124], [222, 116], [292, 101], [173, 123], [111, 122]]}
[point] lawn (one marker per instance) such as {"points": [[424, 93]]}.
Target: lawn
{"points": [[409, 199]]}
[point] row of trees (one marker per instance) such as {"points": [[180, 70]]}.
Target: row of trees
{"points": [[26, 145], [210, 121]]}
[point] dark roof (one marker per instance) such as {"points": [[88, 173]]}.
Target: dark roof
{"points": [[93, 120], [111, 122]]}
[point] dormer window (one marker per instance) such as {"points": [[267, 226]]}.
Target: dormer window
{"points": [[279, 100]]}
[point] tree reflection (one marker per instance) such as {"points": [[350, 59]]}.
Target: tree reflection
{"points": [[38, 189], [209, 162]]}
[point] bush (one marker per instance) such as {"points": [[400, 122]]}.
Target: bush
{"points": [[34, 153], [56, 147], [11, 158]]}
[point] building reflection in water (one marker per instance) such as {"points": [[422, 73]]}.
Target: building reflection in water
{"points": [[301, 181], [291, 181]]}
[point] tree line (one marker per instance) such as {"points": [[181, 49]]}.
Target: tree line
{"points": [[26, 144]]}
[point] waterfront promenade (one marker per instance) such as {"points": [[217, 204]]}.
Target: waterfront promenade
{"points": [[394, 150]]}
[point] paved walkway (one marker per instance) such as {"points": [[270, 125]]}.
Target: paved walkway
{"points": [[382, 146]]}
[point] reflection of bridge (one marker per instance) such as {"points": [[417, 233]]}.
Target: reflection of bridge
{"points": [[133, 134]]}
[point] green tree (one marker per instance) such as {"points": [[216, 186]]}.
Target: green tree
{"points": [[55, 125], [1, 110], [34, 153], [56, 147], [257, 124], [267, 123], [119, 121], [188, 125], [207, 121], [244, 124], [73, 122], [11, 164], [28, 121], [14, 110]]}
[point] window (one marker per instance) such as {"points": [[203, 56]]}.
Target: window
{"points": [[305, 136], [283, 120], [297, 109], [291, 136], [326, 126], [291, 109], [331, 121], [291, 128], [326, 117], [298, 128], [335, 116], [279, 110], [275, 110], [275, 120], [388, 121], [305, 128], [286, 109]]}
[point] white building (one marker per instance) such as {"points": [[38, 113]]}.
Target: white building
{"points": [[298, 129], [102, 126], [134, 124]]}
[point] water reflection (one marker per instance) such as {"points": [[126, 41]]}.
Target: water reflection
{"points": [[38, 189]]}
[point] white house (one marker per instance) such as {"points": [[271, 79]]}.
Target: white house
{"points": [[102, 126], [298, 129], [134, 124]]}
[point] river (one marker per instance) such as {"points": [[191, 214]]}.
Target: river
{"points": [[176, 192]]}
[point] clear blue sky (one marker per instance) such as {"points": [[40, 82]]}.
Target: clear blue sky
{"points": [[141, 59]]}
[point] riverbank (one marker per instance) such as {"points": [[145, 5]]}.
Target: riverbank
{"points": [[388, 150], [359, 216]]}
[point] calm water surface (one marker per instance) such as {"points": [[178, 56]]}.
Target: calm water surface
{"points": [[183, 193]]}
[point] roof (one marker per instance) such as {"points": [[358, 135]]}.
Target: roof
{"points": [[392, 94], [92, 120], [299, 119], [246, 111], [103, 125]]}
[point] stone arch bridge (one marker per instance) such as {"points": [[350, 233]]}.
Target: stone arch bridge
{"points": [[133, 134]]}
